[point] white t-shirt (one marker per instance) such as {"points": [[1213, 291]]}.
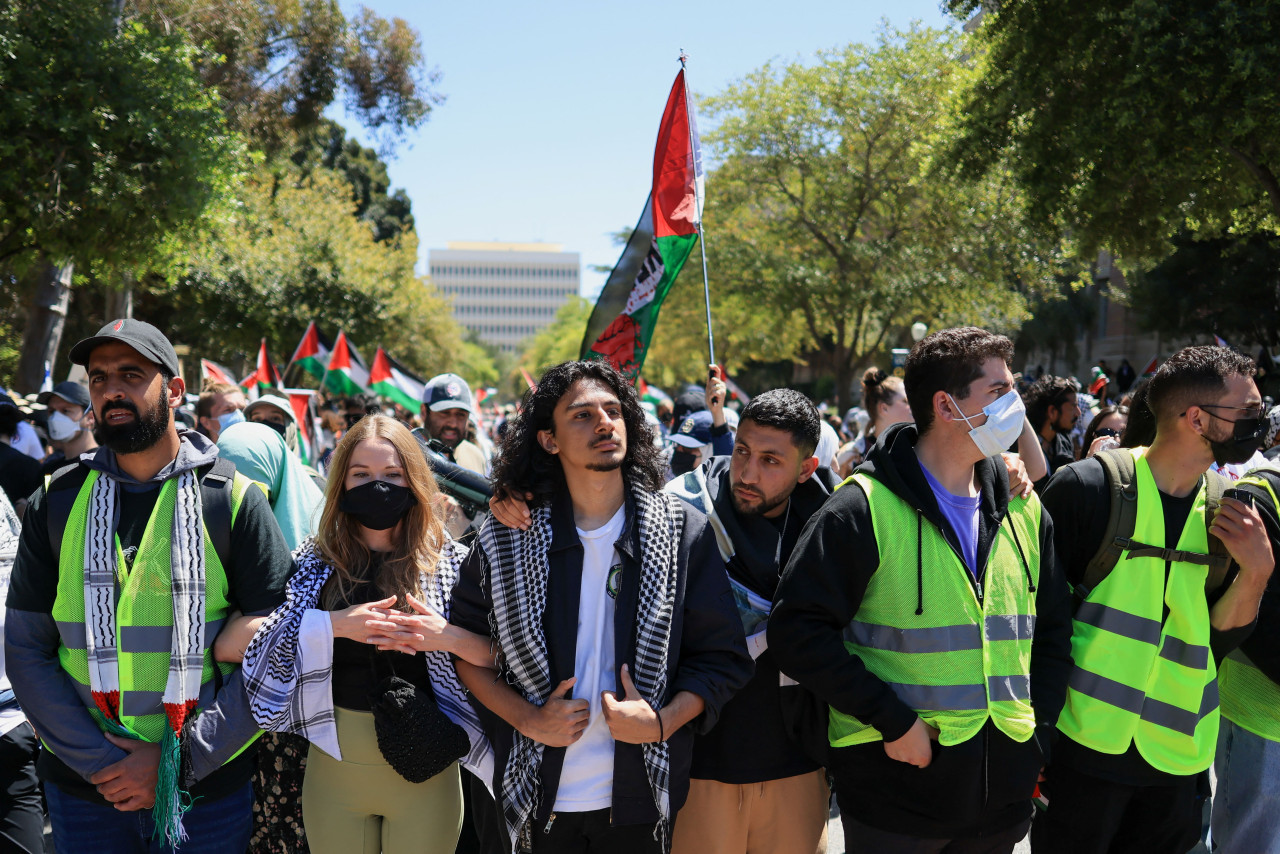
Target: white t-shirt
{"points": [[586, 781]]}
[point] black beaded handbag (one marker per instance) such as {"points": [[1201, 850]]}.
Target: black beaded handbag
{"points": [[414, 736]]}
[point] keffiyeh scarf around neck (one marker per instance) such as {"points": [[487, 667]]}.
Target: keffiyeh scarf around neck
{"points": [[516, 562], [186, 648]]}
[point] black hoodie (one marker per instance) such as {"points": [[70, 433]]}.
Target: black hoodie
{"points": [[981, 786]]}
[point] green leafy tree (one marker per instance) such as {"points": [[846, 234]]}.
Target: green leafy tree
{"points": [[295, 253], [558, 341], [1126, 121], [280, 63], [1224, 286], [110, 148], [829, 207]]}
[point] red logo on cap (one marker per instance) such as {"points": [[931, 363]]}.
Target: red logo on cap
{"points": [[116, 328]]}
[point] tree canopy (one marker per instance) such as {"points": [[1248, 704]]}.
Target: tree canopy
{"points": [[1126, 121], [831, 208], [109, 141]]}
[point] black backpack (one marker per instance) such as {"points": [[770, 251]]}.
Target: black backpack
{"points": [[1121, 472]]}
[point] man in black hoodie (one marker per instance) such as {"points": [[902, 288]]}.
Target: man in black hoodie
{"points": [[927, 609], [754, 786]]}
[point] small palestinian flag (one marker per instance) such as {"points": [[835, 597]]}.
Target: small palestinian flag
{"points": [[215, 373], [626, 313], [265, 377], [1150, 369], [302, 402], [395, 382], [347, 374], [312, 354]]}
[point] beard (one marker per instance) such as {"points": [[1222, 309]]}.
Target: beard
{"points": [[138, 435], [764, 504]]}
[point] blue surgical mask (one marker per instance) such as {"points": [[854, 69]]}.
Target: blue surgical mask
{"points": [[236, 416]]}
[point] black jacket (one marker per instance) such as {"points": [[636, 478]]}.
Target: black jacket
{"points": [[708, 654], [980, 786], [785, 726]]}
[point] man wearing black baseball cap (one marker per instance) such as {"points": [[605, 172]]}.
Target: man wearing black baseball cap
{"points": [[70, 424], [146, 546]]}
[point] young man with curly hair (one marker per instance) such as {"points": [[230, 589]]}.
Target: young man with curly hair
{"points": [[616, 627]]}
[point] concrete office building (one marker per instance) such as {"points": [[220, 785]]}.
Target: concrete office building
{"points": [[505, 292]]}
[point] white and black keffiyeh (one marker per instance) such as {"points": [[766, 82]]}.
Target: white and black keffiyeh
{"points": [[288, 666], [186, 647], [516, 563]]}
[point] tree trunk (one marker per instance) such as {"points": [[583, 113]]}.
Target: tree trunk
{"points": [[844, 377], [45, 321], [119, 302]]}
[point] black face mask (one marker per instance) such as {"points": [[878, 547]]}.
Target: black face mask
{"points": [[1246, 439], [279, 428], [682, 462], [377, 505]]}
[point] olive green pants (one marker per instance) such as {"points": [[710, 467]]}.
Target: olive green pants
{"points": [[362, 805]]}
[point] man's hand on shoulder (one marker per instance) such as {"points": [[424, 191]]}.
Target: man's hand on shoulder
{"points": [[130, 784]]}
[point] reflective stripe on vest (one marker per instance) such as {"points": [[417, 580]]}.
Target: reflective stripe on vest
{"points": [[144, 611], [1139, 677], [1250, 699], [959, 662]]}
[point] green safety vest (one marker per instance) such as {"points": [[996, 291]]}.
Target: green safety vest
{"points": [[1141, 678], [1250, 699], [144, 612], [962, 659]]}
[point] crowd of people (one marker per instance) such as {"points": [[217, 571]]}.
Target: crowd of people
{"points": [[975, 607]]}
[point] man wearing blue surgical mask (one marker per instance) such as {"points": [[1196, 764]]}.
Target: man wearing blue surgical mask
{"points": [[69, 425], [220, 406], [924, 605]]}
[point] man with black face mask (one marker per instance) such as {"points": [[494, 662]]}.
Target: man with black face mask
{"points": [[128, 565], [1157, 609]]}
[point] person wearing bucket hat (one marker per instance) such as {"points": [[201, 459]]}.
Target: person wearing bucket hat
{"points": [[154, 513], [70, 424], [446, 410]]}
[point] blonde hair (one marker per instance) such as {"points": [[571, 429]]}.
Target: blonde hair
{"points": [[418, 538]]}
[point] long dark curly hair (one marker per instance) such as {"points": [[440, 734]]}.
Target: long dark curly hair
{"points": [[523, 466]]}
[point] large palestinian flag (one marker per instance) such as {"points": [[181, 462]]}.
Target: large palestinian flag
{"points": [[626, 313], [347, 374], [395, 382], [312, 354]]}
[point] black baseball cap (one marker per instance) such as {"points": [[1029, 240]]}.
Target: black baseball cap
{"points": [[139, 335], [69, 391]]}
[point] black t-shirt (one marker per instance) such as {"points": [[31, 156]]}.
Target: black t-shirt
{"points": [[1078, 501], [749, 743], [19, 474], [257, 569], [359, 667]]}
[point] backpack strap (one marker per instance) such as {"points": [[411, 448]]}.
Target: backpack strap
{"points": [[1218, 559], [1121, 472], [59, 496], [215, 500]]}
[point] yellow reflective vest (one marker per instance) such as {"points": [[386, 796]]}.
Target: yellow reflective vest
{"points": [[959, 659], [1250, 699], [144, 612], [1141, 677]]}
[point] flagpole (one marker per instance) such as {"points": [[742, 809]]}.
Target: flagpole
{"points": [[702, 239]]}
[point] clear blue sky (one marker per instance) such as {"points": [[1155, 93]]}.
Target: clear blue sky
{"points": [[552, 108]]}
